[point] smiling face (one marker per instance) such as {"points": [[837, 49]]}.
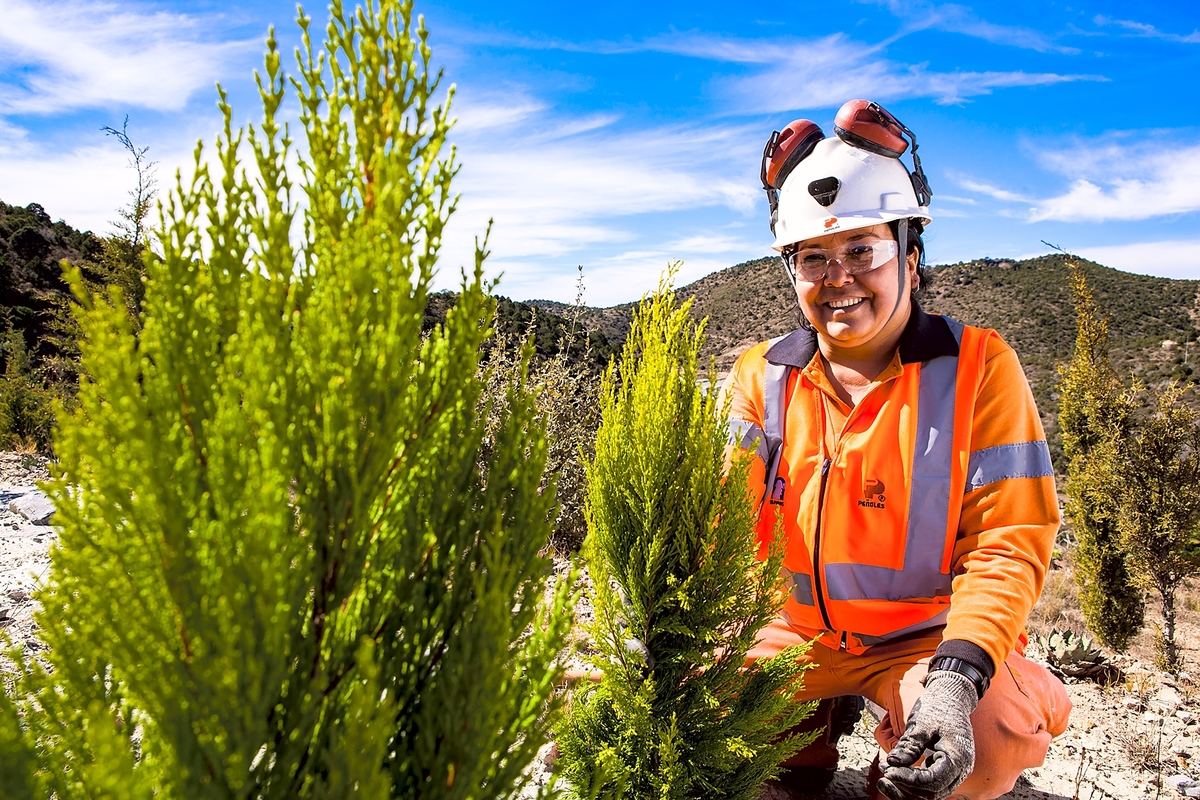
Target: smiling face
{"points": [[854, 313]]}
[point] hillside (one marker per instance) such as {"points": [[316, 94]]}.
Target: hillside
{"points": [[31, 287], [1153, 321]]}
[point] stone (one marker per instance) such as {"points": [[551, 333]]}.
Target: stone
{"points": [[1179, 782], [1150, 718], [33, 506], [1133, 703], [1192, 791], [1185, 716], [1166, 700]]}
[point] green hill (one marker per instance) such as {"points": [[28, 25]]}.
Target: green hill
{"points": [[1154, 322]]}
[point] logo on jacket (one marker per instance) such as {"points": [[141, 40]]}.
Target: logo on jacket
{"points": [[777, 491], [873, 490]]}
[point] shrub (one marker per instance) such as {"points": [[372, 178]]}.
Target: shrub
{"points": [[1094, 415], [679, 595], [1160, 510], [26, 405], [287, 567]]}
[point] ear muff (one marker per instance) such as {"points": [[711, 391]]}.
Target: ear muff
{"points": [[784, 150], [867, 126], [871, 127]]}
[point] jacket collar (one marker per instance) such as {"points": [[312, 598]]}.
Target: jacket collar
{"points": [[925, 337]]}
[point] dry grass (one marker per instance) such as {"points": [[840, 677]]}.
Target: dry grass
{"points": [[1142, 748], [1058, 607]]}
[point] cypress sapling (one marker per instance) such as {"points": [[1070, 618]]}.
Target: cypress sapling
{"points": [[288, 565], [679, 594]]}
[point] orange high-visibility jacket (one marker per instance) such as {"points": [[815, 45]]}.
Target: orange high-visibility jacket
{"points": [[934, 505]]}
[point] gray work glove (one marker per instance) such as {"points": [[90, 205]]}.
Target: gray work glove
{"points": [[940, 722]]}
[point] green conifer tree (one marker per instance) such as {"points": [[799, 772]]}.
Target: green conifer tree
{"points": [[679, 595], [284, 569], [1094, 415], [1160, 509]]}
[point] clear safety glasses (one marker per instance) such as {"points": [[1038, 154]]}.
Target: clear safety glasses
{"points": [[811, 263]]}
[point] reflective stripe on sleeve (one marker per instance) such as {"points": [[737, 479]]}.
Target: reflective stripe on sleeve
{"points": [[1004, 461], [747, 435]]}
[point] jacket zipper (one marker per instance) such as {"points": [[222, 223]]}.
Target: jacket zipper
{"points": [[817, 548]]}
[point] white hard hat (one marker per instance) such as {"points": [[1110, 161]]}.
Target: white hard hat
{"points": [[818, 186], [839, 187]]}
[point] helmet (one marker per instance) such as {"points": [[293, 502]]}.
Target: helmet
{"points": [[817, 185]]}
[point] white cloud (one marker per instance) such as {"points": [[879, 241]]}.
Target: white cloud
{"points": [[1166, 259], [988, 189], [85, 54], [954, 18], [1149, 31], [87, 184], [562, 189], [822, 73], [1117, 181]]}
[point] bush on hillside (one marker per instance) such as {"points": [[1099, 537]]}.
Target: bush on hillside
{"points": [[289, 565]]}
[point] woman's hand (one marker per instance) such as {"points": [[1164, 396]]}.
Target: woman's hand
{"points": [[941, 723]]}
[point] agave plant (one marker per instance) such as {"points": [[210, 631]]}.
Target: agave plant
{"points": [[1074, 655]]}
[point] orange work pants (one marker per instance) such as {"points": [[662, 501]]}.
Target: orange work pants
{"points": [[1023, 709]]}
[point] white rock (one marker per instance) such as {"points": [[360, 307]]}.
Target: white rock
{"points": [[33, 506], [1150, 718], [1133, 702], [1179, 783], [1192, 791], [1166, 700], [1185, 716]]}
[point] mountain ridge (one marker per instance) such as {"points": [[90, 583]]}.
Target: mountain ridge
{"points": [[1154, 323]]}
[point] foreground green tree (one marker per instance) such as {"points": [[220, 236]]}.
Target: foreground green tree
{"points": [[1094, 416], [679, 596], [1160, 510], [284, 567]]}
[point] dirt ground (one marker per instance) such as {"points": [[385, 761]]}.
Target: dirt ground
{"points": [[1136, 738]]}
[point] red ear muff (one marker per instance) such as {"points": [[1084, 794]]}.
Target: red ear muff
{"points": [[794, 144], [784, 150], [871, 127], [868, 126]]}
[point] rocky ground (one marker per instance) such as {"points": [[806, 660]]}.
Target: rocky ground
{"points": [[1136, 738]]}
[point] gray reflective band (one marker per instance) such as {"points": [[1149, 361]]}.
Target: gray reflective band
{"points": [[1004, 461], [775, 381], [928, 507], [935, 621], [747, 435], [956, 328], [801, 588]]}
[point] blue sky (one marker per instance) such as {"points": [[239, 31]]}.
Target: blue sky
{"points": [[622, 135]]}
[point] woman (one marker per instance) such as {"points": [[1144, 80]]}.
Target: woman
{"points": [[906, 459]]}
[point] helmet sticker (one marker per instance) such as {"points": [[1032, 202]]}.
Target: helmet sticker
{"points": [[825, 190]]}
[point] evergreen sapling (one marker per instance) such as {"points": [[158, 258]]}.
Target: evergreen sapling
{"points": [[679, 594], [289, 565]]}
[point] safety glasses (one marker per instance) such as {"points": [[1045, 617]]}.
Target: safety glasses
{"points": [[812, 263]]}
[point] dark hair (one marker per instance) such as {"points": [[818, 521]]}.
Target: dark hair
{"points": [[915, 228]]}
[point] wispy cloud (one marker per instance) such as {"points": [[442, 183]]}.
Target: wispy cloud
{"points": [[987, 189], [561, 187], [1149, 31], [822, 73], [1119, 181], [1166, 259], [955, 18], [67, 55]]}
